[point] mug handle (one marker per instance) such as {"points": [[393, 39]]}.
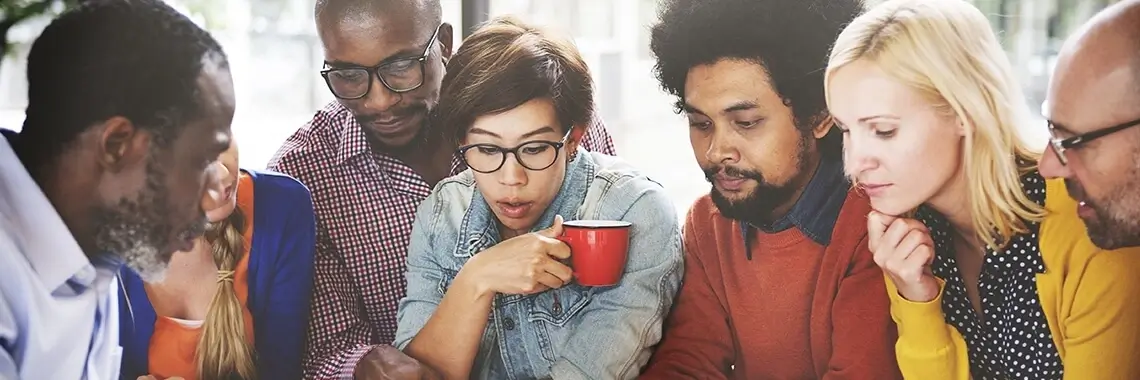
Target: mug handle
{"points": [[566, 239]]}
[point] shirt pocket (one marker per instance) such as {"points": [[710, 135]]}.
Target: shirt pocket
{"points": [[555, 316]]}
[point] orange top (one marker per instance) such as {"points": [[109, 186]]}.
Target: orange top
{"points": [[173, 346]]}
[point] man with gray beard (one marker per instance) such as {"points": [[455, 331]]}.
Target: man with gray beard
{"points": [[1092, 107], [129, 104]]}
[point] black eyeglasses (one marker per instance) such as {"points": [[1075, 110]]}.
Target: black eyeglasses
{"points": [[398, 76], [533, 155], [1060, 145]]}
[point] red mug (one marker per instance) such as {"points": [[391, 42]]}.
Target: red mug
{"points": [[598, 250]]}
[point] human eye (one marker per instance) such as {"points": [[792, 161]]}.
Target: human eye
{"points": [[487, 150], [535, 149], [699, 122], [747, 124], [885, 133]]}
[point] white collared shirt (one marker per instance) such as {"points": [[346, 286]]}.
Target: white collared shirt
{"points": [[58, 310]]}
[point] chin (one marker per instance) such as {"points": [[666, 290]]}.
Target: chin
{"points": [[891, 208]]}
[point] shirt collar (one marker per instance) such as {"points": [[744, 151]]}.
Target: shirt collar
{"points": [[817, 209], [43, 238], [353, 141]]}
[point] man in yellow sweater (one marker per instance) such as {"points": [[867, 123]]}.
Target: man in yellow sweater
{"points": [[1093, 117]]}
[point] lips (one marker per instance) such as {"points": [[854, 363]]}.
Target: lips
{"points": [[728, 183], [514, 209], [874, 189]]}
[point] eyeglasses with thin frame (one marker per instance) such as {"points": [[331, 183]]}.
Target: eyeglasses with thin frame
{"points": [[398, 76], [1060, 145], [534, 155]]}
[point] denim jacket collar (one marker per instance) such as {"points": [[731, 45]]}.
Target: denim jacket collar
{"points": [[481, 228], [817, 209]]}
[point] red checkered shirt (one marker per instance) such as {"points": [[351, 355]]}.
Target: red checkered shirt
{"points": [[365, 203]]}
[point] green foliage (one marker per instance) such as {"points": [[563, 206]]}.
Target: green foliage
{"points": [[13, 12]]}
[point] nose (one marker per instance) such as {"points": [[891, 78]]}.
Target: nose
{"points": [[1050, 166], [379, 97], [512, 173], [856, 156], [214, 192], [722, 148]]}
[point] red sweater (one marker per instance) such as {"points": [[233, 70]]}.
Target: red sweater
{"points": [[795, 310]]}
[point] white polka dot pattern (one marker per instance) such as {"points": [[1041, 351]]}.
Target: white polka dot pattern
{"points": [[1014, 341]]}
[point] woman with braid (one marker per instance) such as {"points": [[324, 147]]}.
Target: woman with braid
{"points": [[236, 305]]}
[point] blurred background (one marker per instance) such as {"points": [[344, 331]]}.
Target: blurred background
{"points": [[275, 55]]}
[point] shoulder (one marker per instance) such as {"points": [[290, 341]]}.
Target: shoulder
{"points": [[314, 144], [704, 213], [618, 174], [851, 225], [451, 196], [459, 186], [703, 221], [278, 185]]}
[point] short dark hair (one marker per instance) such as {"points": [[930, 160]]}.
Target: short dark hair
{"points": [[506, 63], [335, 10], [139, 59], [789, 38]]}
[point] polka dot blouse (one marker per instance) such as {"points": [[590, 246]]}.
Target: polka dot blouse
{"points": [[1014, 341]]}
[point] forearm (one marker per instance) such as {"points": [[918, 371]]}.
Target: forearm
{"points": [[450, 339]]}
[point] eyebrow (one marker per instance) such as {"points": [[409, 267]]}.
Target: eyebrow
{"points": [[398, 56], [865, 119], [538, 131], [743, 105]]}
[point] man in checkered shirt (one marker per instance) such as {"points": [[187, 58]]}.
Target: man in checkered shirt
{"points": [[368, 160]]}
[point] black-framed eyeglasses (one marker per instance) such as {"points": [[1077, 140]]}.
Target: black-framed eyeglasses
{"points": [[1060, 145], [534, 155], [399, 76]]}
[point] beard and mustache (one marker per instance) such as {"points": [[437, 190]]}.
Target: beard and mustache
{"points": [[139, 232], [1114, 224], [757, 206]]}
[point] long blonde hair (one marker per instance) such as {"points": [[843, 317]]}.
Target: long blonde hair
{"points": [[946, 50], [223, 352]]}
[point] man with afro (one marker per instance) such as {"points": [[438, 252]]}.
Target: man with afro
{"points": [[779, 282]]}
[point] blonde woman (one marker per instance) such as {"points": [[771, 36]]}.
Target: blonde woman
{"points": [[236, 305], [990, 272]]}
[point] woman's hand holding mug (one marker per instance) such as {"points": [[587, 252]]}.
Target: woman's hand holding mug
{"points": [[525, 264], [904, 250]]}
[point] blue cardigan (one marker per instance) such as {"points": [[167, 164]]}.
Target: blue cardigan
{"points": [[280, 283]]}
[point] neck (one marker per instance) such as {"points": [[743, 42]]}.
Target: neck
{"points": [[954, 203], [507, 233], [65, 187], [811, 165]]}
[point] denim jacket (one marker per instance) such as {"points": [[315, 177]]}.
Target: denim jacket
{"points": [[575, 332]]}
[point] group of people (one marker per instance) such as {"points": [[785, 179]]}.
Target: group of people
{"points": [[873, 213]]}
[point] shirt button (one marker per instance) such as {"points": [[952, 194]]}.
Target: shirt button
{"points": [[557, 309], [508, 324]]}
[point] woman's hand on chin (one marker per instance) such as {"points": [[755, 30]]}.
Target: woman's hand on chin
{"points": [[904, 250], [525, 264]]}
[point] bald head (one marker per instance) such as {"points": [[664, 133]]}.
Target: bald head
{"points": [[1103, 55]]}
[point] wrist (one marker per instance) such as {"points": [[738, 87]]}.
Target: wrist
{"points": [[924, 291], [470, 282]]}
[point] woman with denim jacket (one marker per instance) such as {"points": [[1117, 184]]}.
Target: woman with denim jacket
{"points": [[489, 293]]}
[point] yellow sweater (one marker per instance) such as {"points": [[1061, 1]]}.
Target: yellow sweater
{"points": [[1091, 299]]}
